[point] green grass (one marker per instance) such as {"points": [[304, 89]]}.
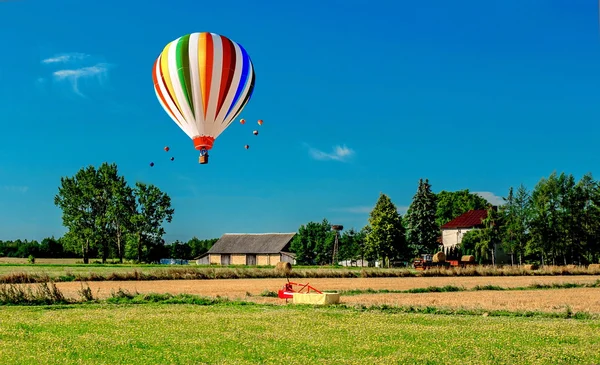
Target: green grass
{"points": [[25, 273], [227, 333]]}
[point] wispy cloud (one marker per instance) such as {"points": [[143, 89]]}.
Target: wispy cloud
{"points": [[15, 188], [339, 153], [364, 209], [74, 76], [490, 197], [66, 57], [80, 68]]}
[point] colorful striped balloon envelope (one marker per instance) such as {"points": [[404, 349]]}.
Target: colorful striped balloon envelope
{"points": [[203, 81]]}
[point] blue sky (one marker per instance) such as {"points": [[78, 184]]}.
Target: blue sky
{"points": [[358, 98]]}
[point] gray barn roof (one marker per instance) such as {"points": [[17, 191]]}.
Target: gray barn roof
{"points": [[253, 243]]}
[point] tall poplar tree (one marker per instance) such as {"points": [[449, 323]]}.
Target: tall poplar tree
{"points": [[422, 229]]}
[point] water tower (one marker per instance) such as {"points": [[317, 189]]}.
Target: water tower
{"points": [[337, 228]]}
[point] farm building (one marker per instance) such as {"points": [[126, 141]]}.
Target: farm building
{"points": [[250, 249], [453, 231]]}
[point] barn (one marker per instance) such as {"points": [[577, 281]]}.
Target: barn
{"points": [[250, 249]]}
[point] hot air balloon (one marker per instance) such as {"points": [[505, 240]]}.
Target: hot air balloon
{"points": [[151, 164], [203, 81], [167, 149], [172, 158], [246, 146], [260, 122], [243, 121], [255, 133]]}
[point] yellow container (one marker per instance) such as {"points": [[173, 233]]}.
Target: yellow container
{"points": [[316, 298]]}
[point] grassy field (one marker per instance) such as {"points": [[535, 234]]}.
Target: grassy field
{"points": [[251, 334], [40, 272]]}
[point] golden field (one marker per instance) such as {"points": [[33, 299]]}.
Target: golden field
{"points": [[547, 300]]}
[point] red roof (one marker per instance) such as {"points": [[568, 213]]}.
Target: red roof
{"points": [[472, 218]]}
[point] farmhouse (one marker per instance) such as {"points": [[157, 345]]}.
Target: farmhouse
{"points": [[250, 249], [453, 231]]}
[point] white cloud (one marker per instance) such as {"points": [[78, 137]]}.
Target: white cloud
{"points": [[76, 67], [65, 58], [339, 153], [16, 189], [490, 197], [363, 209], [74, 76]]}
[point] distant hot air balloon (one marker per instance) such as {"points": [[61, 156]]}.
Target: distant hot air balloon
{"points": [[172, 158], [255, 133], [167, 149], [151, 164], [203, 81], [260, 122], [243, 121], [246, 146]]}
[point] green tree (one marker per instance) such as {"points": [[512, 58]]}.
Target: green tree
{"points": [[387, 237], [120, 210], [153, 207], [451, 204], [199, 247], [352, 244], [313, 244], [422, 229], [79, 199], [491, 235], [515, 215]]}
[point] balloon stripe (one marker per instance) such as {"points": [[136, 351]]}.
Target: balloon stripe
{"points": [[215, 84], [160, 86], [178, 87], [195, 78], [241, 103], [227, 71], [243, 80], [183, 66], [206, 69], [248, 93], [166, 75], [161, 97], [231, 90]]}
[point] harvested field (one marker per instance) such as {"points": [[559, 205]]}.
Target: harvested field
{"points": [[557, 300], [580, 299]]}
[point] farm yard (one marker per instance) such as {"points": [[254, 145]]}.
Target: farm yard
{"points": [[501, 319]]}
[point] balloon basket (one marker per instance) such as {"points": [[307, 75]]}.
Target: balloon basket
{"points": [[203, 159]]}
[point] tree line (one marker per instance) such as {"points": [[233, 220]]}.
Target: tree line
{"points": [[51, 247], [558, 222]]}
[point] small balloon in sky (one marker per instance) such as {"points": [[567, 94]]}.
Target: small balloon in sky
{"points": [[260, 122], [151, 164], [167, 149], [243, 121], [172, 158], [255, 133], [246, 146]]}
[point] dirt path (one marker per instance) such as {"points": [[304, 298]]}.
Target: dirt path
{"points": [[238, 288]]}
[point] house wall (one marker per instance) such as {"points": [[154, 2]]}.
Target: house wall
{"points": [[267, 259], [238, 259], [215, 259], [203, 261], [287, 258], [453, 236]]}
